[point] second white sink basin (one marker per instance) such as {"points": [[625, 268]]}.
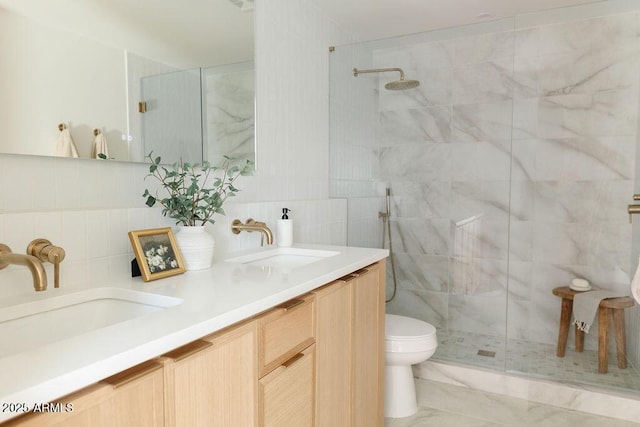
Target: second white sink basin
{"points": [[37, 323], [287, 258]]}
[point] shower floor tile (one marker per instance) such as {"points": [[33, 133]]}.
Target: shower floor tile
{"points": [[533, 359]]}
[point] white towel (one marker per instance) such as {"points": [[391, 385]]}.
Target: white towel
{"points": [[99, 146], [585, 307], [65, 146], [635, 284]]}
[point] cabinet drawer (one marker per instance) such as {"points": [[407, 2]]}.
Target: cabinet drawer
{"points": [[284, 331], [286, 395]]}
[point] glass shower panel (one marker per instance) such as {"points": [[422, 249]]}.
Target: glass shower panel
{"points": [[575, 140], [172, 123], [444, 151]]}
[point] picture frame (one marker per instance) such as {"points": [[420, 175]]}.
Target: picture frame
{"points": [[157, 253]]}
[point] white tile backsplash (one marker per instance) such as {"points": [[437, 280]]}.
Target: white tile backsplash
{"points": [[98, 248]]}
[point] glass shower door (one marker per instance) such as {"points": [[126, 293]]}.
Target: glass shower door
{"points": [[172, 122], [573, 170]]}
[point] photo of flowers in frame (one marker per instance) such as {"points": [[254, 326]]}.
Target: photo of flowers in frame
{"points": [[157, 253]]}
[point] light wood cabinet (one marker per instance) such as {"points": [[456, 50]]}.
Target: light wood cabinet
{"points": [[286, 337], [287, 393], [317, 360], [212, 381], [368, 346], [131, 398], [350, 350], [284, 331], [333, 355]]}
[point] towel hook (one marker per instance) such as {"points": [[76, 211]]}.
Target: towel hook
{"points": [[97, 132], [62, 127]]}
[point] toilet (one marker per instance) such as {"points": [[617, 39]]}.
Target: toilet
{"points": [[407, 341]]}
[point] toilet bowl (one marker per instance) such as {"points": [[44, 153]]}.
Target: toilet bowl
{"points": [[407, 342]]}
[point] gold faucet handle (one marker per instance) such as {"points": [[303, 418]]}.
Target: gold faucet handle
{"points": [[47, 252], [4, 249]]}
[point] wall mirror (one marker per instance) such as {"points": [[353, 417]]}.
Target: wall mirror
{"points": [[127, 77]]}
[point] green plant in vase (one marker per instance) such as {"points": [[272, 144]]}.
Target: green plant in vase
{"points": [[194, 193]]}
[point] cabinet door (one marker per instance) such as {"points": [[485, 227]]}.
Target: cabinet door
{"points": [[212, 382], [286, 394], [368, 346], [132, 398], [350, 350], [333, 355]]}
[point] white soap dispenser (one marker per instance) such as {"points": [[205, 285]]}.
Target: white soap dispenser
{"points": [[284, 233]]}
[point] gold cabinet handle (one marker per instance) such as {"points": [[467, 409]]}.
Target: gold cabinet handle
{"points": [[187, 350], [636, 197], [360, 272], [293, 360], [132, 374], [292, 304], [348, 277]]}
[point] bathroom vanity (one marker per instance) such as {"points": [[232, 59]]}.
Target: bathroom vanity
{"points": [[264, 338]]}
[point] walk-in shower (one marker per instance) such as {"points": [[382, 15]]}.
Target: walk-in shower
{"points": [[510, 168]]}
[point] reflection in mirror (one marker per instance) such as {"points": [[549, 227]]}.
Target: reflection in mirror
{"points": [[171, 112], [88, 64], [229, 108]]}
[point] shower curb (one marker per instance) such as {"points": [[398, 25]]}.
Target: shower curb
{"points": [[609, 403]]}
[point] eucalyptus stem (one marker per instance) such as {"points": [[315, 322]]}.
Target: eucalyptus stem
{"points": [[195, 200]]}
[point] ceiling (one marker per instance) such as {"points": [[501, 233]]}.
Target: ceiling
{"points": [[376, 19], [182, 33]]}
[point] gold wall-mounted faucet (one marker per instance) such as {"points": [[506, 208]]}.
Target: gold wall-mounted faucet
{"points": [[252, 225], [32, 263], [46, 252]]}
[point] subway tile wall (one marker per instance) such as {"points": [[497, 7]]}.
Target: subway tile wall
{"points": [[88, 206]]}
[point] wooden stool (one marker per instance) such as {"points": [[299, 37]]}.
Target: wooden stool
{"points": [[608, 308]]}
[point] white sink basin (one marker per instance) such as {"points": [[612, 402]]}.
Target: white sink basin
{"points": [[34, 324], [286, 258]]}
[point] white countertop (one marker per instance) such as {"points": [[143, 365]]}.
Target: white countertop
{"points": [[212, 300]]}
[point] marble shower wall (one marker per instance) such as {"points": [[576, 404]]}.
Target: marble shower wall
{"points": [[574, 149], [445, 152], [511, 167]]}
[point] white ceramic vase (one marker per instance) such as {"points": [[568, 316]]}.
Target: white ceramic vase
{"points": [[196, 246]]}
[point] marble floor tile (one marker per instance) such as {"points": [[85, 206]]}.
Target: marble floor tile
{"points": [[445, 405], [534, 359]]}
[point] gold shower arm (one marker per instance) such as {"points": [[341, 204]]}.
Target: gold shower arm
{"points": [[378, 70]]}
